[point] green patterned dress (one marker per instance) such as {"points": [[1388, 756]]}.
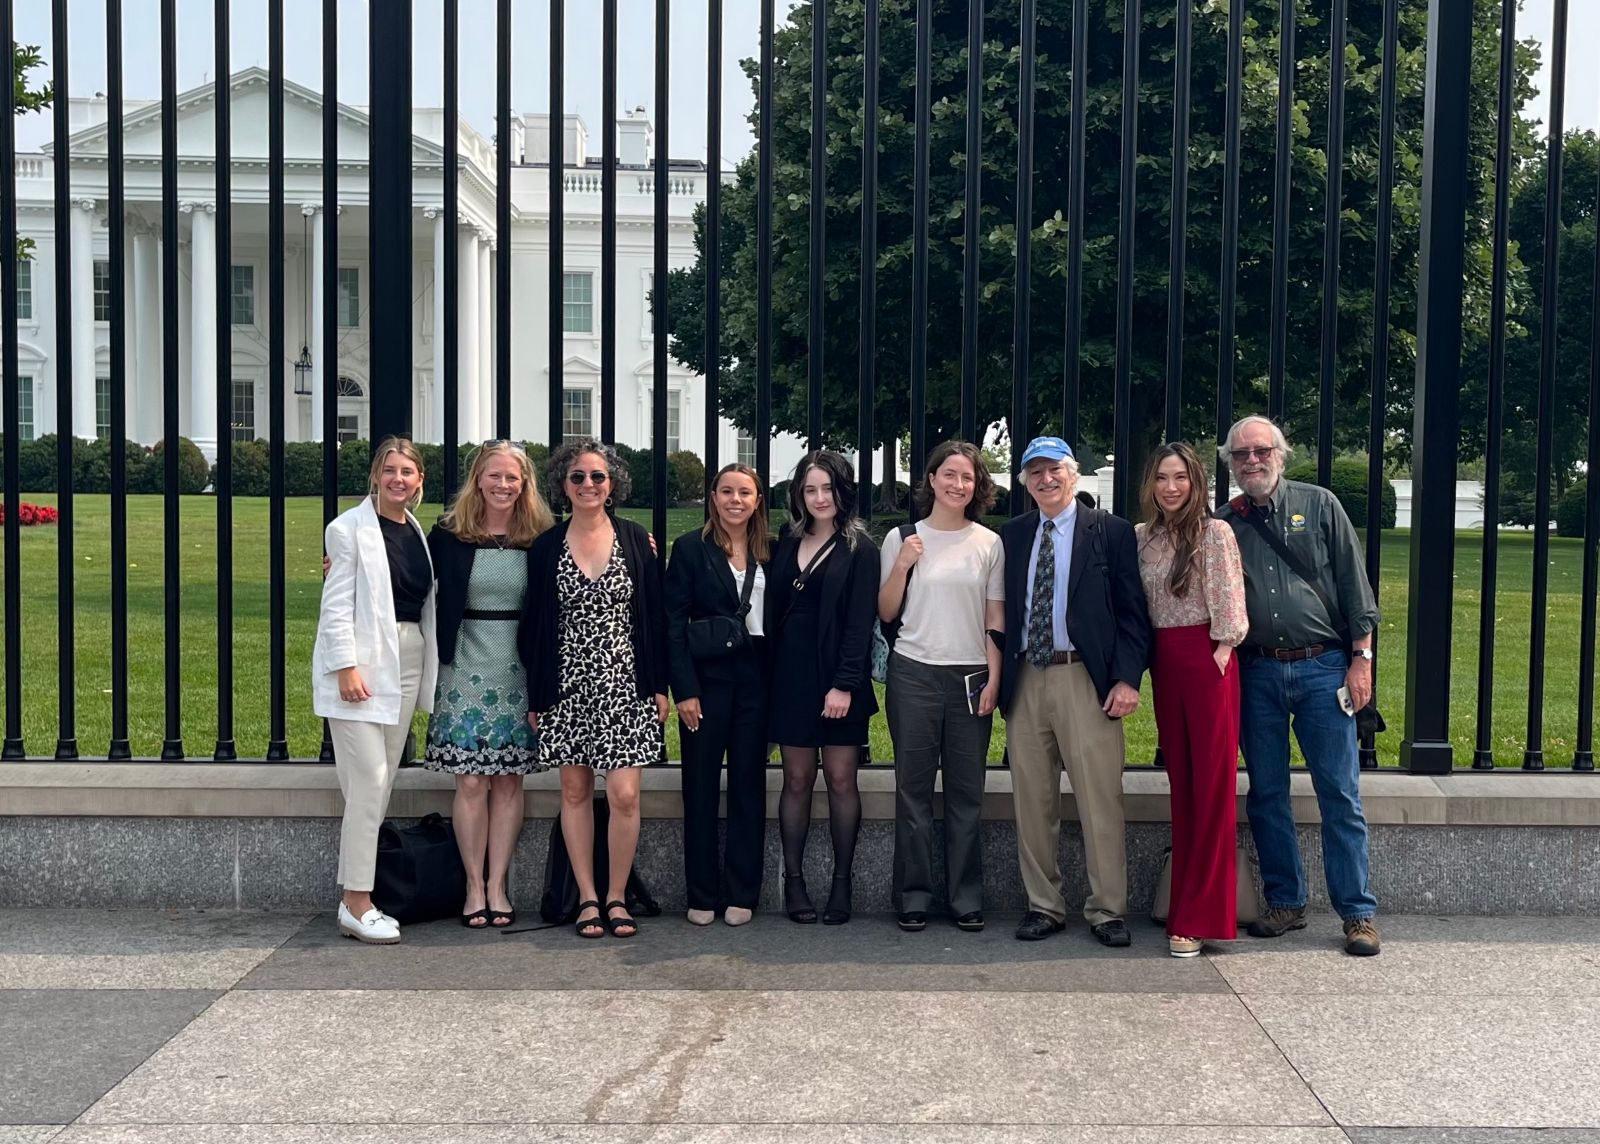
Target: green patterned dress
{"points": [[479, 724]]}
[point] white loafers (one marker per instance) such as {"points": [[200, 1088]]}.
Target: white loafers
{"points": [[737, 915], [373, 927]]}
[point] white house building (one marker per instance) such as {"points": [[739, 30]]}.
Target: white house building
{"points": [[251, 366]]}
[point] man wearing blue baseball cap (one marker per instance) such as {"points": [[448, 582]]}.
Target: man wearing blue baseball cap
{"points": [[1077, 645]]}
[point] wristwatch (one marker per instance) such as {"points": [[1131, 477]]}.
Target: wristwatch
{"points": [[1363, 653]]}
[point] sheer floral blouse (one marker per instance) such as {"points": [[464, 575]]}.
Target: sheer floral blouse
{"points": [[1216, 597]]}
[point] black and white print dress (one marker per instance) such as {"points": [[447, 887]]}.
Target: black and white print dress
{"points": [[601, 720]]}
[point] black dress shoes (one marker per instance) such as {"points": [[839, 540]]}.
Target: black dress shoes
{"points": [[1036, 926], [1113, 933], [913, 920], [972, 923]]}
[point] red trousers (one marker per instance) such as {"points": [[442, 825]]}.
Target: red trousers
{"points": [[1197, 719]]}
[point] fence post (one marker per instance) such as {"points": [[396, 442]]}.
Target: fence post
{"points": [[390, 258], [1425, 748]]}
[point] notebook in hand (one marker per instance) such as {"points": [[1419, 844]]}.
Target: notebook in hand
{"points": [[976, 681]]}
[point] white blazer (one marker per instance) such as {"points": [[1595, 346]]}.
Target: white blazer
{"points": [[356, 627]]}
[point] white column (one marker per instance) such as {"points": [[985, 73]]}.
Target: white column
{"points": [[435, 431], [82, 230], [318, 336], [467, 325], [202, 327], [144, 399], [485, 344]]}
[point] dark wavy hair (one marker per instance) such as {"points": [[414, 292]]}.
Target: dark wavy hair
{"points": [[984, 491], [561, 461], [1186, 528], [843, 479]]}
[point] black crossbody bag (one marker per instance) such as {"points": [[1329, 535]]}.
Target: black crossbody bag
{"points": [[714, 637], [1368, 720]]}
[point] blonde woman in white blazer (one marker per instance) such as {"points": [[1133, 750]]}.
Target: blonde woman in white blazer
{"points": [[374, 664]]}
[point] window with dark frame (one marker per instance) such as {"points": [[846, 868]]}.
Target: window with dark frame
{"points": [[244, 295], [102, 290], [243, 418], [577, 414], [349, 297]]}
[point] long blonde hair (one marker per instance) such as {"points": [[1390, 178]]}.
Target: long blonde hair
{"points": [[529, 514], [407, 449], [758, 540]]}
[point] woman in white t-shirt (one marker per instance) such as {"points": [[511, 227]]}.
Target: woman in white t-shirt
{"points": [[944, 679]]}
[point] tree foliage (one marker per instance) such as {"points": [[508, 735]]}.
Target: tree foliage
{"points": [[24, 58]]}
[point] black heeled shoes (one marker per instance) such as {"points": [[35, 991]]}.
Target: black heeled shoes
{"points": [[838, 908], [797, 901]]}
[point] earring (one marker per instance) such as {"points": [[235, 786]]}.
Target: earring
{"points": [[608, 502]]}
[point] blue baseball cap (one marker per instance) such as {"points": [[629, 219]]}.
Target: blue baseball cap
{"points": [[1047, 449]]}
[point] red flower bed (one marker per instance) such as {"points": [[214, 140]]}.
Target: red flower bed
{"points": [[30, 514]]}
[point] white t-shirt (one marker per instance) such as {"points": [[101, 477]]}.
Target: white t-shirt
{"points": [[942, 622], [752, 618]]}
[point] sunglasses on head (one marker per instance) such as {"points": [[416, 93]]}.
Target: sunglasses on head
{"points": [[597, 476]]}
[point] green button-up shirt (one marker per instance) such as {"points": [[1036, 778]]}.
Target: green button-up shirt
{"points": [[1284, 610]]}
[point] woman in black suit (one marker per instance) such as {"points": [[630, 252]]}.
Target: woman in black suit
{"points": [[716, 582], [821, 604], [593, 642]]}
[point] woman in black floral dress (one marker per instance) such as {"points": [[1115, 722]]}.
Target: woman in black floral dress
{"points": [[594, 643]]}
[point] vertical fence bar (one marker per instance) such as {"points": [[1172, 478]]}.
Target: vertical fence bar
{"points": [[556, 193], [1121, 480], [389, 244], [1071, 366], [817, 272], [226, 749], [1178, 238], [608, 226], [713, 332], [972, 204], [1330, 241], [66, 682], [1425, 748], [1583, 754], [1226, 343], [116, 194], [1283, 162], [1533, 752], [919, 244], [1379, 381], [11, 402], [277, 740], [502, 223], [328, 392], [172, 742], [450, 338], [1022, 311], [659, 287], [762, 429], [1504, 162], [868, 303]]}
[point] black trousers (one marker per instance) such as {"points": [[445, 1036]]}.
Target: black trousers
{"points": [[733, 721]]}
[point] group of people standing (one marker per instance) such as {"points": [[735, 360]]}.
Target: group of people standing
{"points": [[536, 644]]}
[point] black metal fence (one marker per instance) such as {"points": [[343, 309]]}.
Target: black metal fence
{"points": [[1440, 198]]}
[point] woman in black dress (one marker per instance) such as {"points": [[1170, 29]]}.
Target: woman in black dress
{"points": [[821, 604]]}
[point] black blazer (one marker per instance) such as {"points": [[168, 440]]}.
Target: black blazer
{"points": [[1107, 616], [452, 567], [848, 609], [537, 637], [700, 583]]}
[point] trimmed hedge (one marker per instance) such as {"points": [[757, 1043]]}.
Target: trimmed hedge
{"points": [[1349, 484], [91, 466]]}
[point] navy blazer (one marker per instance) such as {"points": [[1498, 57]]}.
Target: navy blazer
{"points": [[1107, 616], [848, 610], [700, 583], [537, 639], [452, 567]]}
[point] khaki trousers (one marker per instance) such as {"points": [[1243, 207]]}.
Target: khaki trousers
{"points": [[366, 757], [1056, 720]]}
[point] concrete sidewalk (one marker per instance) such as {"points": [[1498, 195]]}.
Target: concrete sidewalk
{"points": [[234, 1027]]}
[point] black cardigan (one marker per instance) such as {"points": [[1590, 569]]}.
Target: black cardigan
{"points": [[452, 567], [537, 638], [848, 580], [700, 583]]}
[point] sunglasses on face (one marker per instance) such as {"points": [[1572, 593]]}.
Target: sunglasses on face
{"points": [[598, 476], [1263, 453]]}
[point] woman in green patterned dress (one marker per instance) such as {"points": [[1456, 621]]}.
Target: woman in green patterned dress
{"points": [[480, 731]]}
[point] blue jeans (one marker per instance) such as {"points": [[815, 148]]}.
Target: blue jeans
{"points": [[1273, 693]]}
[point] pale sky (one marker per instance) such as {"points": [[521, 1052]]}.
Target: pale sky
{"points": [[530, 56]]}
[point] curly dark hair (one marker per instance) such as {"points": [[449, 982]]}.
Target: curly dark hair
{"points": [[984, 491], [561, 461]]}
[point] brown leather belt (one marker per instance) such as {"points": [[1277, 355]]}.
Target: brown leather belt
{"points": [[1289, 654], [1066, 657]]}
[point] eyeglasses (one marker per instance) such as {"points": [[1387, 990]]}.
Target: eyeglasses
{"points": [[598, 476], [1263, 453]]}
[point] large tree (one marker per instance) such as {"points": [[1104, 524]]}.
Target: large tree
{"points": [[838, 339]]}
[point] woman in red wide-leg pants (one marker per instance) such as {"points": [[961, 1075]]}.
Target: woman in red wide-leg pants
{"points": [[1193, 580]]}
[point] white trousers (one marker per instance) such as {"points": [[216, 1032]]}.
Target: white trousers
{"points": [[366, 757]]}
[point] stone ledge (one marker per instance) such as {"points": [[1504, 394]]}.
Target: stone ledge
{"points": [[310, 790]]}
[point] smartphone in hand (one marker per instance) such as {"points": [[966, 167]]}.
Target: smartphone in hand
{"points": [[1346, 704]]}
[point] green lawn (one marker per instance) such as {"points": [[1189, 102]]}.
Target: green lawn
{"points": [[303, 568]]}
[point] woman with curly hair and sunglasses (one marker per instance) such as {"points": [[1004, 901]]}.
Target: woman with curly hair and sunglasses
{"points": [[594, 642], [480, 731]]}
